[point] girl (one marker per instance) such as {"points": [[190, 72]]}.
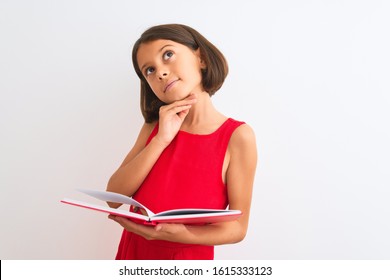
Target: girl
{"points": [[187, 154]]}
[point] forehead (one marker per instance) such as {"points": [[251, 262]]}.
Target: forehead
{"points": [[148, 50], [153, 47], [156, 44]]}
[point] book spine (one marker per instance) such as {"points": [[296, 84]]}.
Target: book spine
{"points": [[149, 222]]}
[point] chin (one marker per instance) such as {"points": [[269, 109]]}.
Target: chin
{"points": [[175, 97]]}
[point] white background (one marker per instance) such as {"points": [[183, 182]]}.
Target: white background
{"points": [[310, 77]]}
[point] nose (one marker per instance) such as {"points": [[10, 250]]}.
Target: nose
{"points": [[162, 74]]}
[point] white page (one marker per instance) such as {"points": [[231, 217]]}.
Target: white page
{"points": [[115, 197]]}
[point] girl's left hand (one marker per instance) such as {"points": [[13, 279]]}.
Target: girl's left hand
{"points": [[168, 232]]}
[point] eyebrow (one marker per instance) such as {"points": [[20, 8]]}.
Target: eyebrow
{"points": [[167, 45]]}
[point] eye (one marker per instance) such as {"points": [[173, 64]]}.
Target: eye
{"points": [[149, 71], [167, 55]]}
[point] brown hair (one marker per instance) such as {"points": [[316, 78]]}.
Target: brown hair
{"points": [[212, 77]]}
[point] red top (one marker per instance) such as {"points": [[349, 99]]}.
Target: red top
{"points": [[188, 174]]}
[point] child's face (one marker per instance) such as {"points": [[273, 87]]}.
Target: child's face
{"points": [[172, 70]]}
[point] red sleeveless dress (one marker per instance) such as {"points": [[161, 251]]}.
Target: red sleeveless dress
{"points": [[188, 174]]}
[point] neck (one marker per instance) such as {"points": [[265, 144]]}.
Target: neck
{"points": [[202, 115]]}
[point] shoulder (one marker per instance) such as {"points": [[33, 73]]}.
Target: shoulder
{"points": [[243, 134], [242, 139]]}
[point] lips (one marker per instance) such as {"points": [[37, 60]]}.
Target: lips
{"points": [[169, 85]]}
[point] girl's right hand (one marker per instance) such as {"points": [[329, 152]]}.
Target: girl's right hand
{"points": [[171, 117]]}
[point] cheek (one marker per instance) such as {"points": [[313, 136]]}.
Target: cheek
{"points": [[197, 76], [152, 84], [194, 75]]}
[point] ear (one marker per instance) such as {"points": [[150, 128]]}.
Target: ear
{"points": [[202, 63]]}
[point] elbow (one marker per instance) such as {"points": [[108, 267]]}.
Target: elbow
{"points": [[113, 204], [111, 189], [117, 185], [110, 184], [239, 235]]}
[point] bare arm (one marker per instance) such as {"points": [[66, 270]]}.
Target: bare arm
{"points": [[137, 163], [240, 178]]}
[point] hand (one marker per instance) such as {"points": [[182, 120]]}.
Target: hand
{"points": [[168, 232], [171, 117]]}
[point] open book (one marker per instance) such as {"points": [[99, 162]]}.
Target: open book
{"points": [[182, 216]]}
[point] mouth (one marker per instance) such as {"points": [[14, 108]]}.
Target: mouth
{"points": [[169, 85]]}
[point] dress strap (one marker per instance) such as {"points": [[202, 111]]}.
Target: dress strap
{"points": [[225, 133], [154, 132]]}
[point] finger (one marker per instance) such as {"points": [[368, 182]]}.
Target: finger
{"points": [[175, 110], [128, 225], [111, 217], [162, 227], [167, 228], [122, 221], [186, 101], [176, 105], [183, 114], [125, 222], [144, 231], [190, 96], [179, 109]]}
